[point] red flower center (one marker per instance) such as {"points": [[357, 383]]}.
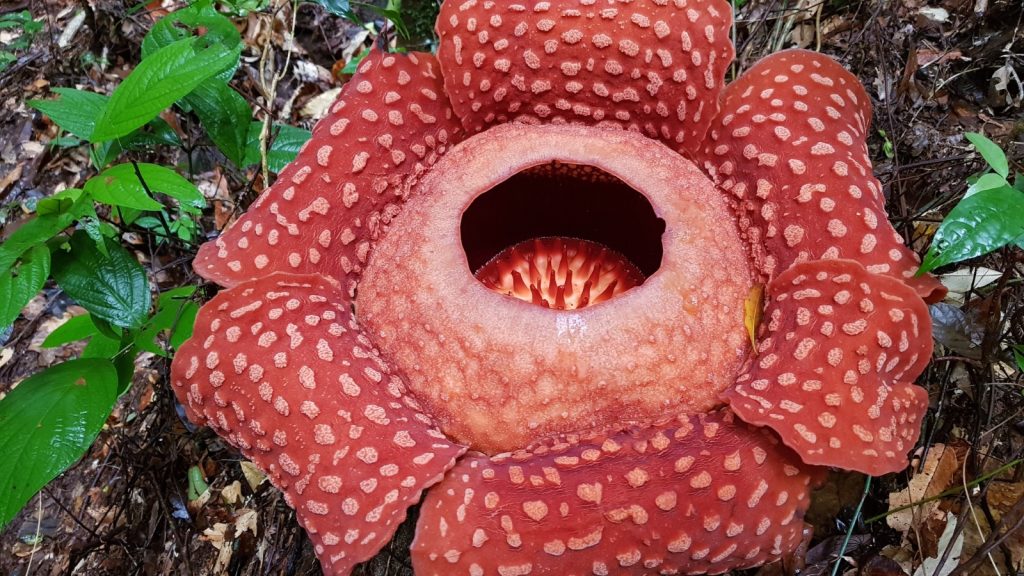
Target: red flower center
{"points": [[560, 273]]}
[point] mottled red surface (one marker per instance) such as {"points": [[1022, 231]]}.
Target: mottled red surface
{"points": [[693, 494], [498, 372], [837, 355], [325, 210], [655, 67], [790, 146], [279, 367], [315, 393]]}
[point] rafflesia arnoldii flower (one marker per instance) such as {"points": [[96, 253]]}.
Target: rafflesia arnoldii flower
{"points": [[520, 274]]}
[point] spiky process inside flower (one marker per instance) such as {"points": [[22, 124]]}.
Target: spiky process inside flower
{"points": [[560, 273]]}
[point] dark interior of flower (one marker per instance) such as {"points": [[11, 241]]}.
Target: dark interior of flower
{"points": [[562, 236]]}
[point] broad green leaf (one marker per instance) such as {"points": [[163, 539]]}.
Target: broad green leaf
{"points": [[42, 228], [286, 141], [75, 111], [60, 203], [121, 185], [112, 287], [977, 225], [991, 152], [47, 423], [160, 80], [181, 24], [23, 281], [102, 346], [83, 328], [175, 315], [986, 181], [73, 329], [1018, 354], [225, 114]]}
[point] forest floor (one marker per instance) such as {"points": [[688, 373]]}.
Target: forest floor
{"points": [[934, 70]]}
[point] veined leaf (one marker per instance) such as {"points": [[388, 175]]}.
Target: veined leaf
{"points": [[112, 287], [20, 283], [56, 214], [977, 225], [121, 185], [73, 329], [160, 80], [75, 111], [47, 423], [181, 24], [284, 146], [225, 114], [991, 152]]}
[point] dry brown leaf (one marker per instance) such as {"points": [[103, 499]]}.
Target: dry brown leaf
{"points": [[253, 475], [936, 476], [232, 493]]}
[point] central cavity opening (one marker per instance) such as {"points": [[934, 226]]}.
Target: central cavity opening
{"points": [[555, 222]]}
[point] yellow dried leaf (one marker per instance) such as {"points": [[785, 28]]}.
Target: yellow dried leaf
{"points": [[753, 308]]}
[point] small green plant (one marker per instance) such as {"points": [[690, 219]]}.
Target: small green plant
{"points": [[887, 147], [989, 217], [48, 421], [23, 29]]}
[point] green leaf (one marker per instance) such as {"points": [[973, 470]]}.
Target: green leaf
{"points": [[62, 202], [112, 287], [47, 423], [977, 225], [991, 152], [175, 316], [121, 186], [160, 80], [102, 346], [986, 181], [1018, 354], [75, 111], [284, 146], [225, 114], [73, 329], [42, 228], [181, 24], [197, 485], [23, 281]]}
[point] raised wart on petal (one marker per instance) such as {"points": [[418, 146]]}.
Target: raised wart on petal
{"points": [[654, 67], [388, 126]]}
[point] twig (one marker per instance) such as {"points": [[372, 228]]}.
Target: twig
{"points": [[853, 523]]}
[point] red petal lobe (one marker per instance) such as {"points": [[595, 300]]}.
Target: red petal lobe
{"points": [[657, 67], [279, 368], [790, 146], [838, 353], [391, 122], [695, 495]]}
